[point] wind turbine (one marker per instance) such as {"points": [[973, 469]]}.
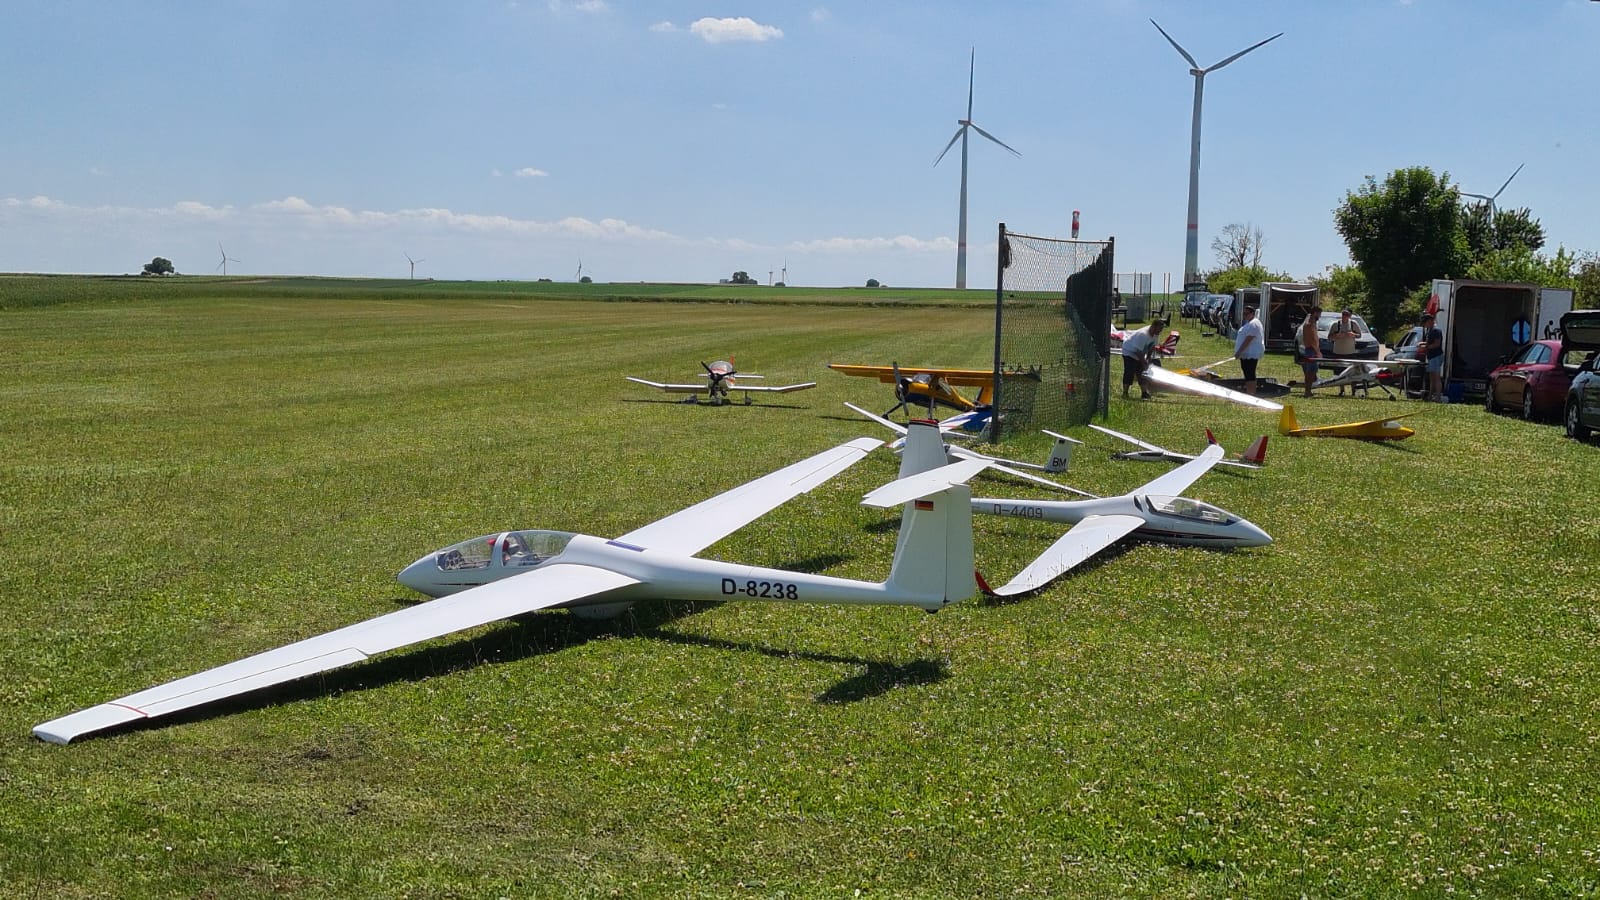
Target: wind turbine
{"points": [[1496, 196], [579, 275], [961, 135], [413, 264], [225, 259], [1191, 246], [785, 271]]}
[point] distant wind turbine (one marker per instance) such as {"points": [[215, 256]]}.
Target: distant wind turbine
{"points": [[1496, 196], [785, 270], [225, 259], [961, 135], [579, 275], [1191, 246], [413, 264]]}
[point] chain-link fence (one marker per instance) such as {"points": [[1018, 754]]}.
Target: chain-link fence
{"points": [[1052, 346]]}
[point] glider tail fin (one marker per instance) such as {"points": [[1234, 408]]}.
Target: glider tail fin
{"points": [[1210, 438], [933, 556], [1286, 420], [1060, 456], [1256, 454]]}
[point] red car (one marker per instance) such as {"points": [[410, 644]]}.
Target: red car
{"points": [[1534, 380]]}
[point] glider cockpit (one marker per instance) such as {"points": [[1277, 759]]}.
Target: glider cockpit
{"points": [[483, 559], [1190, 509]]}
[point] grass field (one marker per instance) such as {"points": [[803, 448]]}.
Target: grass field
{"points": [[1399, 696]]}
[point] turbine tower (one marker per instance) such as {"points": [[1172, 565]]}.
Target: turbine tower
{"points": [[1191, 246], [1496, 196], [961, 135], [225, 259], [413, 264]]}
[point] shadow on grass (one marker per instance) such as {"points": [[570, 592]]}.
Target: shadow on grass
{"points": [[702, 403], [879, 677], [514, 639]]}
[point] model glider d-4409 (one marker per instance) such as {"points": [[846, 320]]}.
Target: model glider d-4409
{"points": [[721, 377], [511, 573]]}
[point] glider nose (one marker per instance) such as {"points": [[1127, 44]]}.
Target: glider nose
{"points": [[1250, 535], [419, 576]]}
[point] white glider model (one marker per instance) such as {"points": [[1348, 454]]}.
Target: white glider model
{"points": [[1153, 512], [511, 573], [1161, 379], [1253, 458], [1060, 454], [1361, 374], [721, 378]]}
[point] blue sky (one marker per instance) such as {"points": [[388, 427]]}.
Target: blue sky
{"points": [[681, 141]]}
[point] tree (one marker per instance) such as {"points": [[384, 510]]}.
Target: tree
{"points": [[1506, 229], [1518, 263], [1342, 286], [1237, 247], [586, 280], [159, 266], [741, 277], [1226, 281], [1587, 281], [1402, 233], [872, 282]]}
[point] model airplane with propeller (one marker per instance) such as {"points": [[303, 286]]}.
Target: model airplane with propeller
{"points": [[1168, 347], [721, 377], [512, 573], [1152, 512], [1388, 429], [1059, 459], [930, 386], [1360, 374], [1252, 458]]}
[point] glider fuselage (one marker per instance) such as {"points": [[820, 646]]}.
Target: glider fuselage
{"points": [[659, 576], [1171, 520]]}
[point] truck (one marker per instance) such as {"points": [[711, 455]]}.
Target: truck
{"points": [[1484, 322], [1283, 306]]}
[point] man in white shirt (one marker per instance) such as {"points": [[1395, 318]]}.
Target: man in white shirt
{"points": [[1136, 350], [1248, 346]]}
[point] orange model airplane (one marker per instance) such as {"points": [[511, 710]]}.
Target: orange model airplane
{"points": [[930, 386]]}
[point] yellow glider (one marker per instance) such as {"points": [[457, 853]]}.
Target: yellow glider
{"points": [[1388, 429]]}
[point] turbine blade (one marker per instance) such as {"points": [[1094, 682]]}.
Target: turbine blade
{"points": [[1184, 53], [1243, 52], [995, 139], [972, 66], [1508, 181], [952, 143]]}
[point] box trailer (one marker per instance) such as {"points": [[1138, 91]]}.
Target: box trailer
{"points": [[1484, 322], [1284, 305]]}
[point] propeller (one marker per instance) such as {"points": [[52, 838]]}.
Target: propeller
{"points": [[902, 392]]}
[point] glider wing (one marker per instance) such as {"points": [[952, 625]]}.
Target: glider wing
{"points": [[1083, 540], [540, 589], [689, 531]]}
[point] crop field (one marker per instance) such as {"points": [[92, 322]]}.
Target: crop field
{"points": [[1401, 695]]}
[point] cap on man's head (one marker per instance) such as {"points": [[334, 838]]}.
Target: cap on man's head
{"points": [[1159, 323], [1345, 311]]}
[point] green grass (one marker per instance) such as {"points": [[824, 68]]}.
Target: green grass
{"points": [[1398, 696]]}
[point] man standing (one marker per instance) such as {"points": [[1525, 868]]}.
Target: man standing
{"points": [[1248, 346], [1433, 354], [1136, 350], [1308, 350], [1343, 333]]}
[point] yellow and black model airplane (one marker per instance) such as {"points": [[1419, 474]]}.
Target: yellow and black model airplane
{"points": [[932, 386]]}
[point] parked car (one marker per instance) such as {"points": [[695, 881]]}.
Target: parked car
{"points": [[1580, 329], [1534, 380], [1366, 344]]}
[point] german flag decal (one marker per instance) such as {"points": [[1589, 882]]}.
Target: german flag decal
{"points": [[924, 504]]}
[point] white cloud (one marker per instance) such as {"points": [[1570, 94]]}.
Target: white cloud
{"points": [[663, 27], [821, 14], [904, 242], [743, 28], [531, 172], [495, 173], [583, 6], [99, 171]]}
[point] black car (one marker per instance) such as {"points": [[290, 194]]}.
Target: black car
{"points": [[1580, 329]]}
